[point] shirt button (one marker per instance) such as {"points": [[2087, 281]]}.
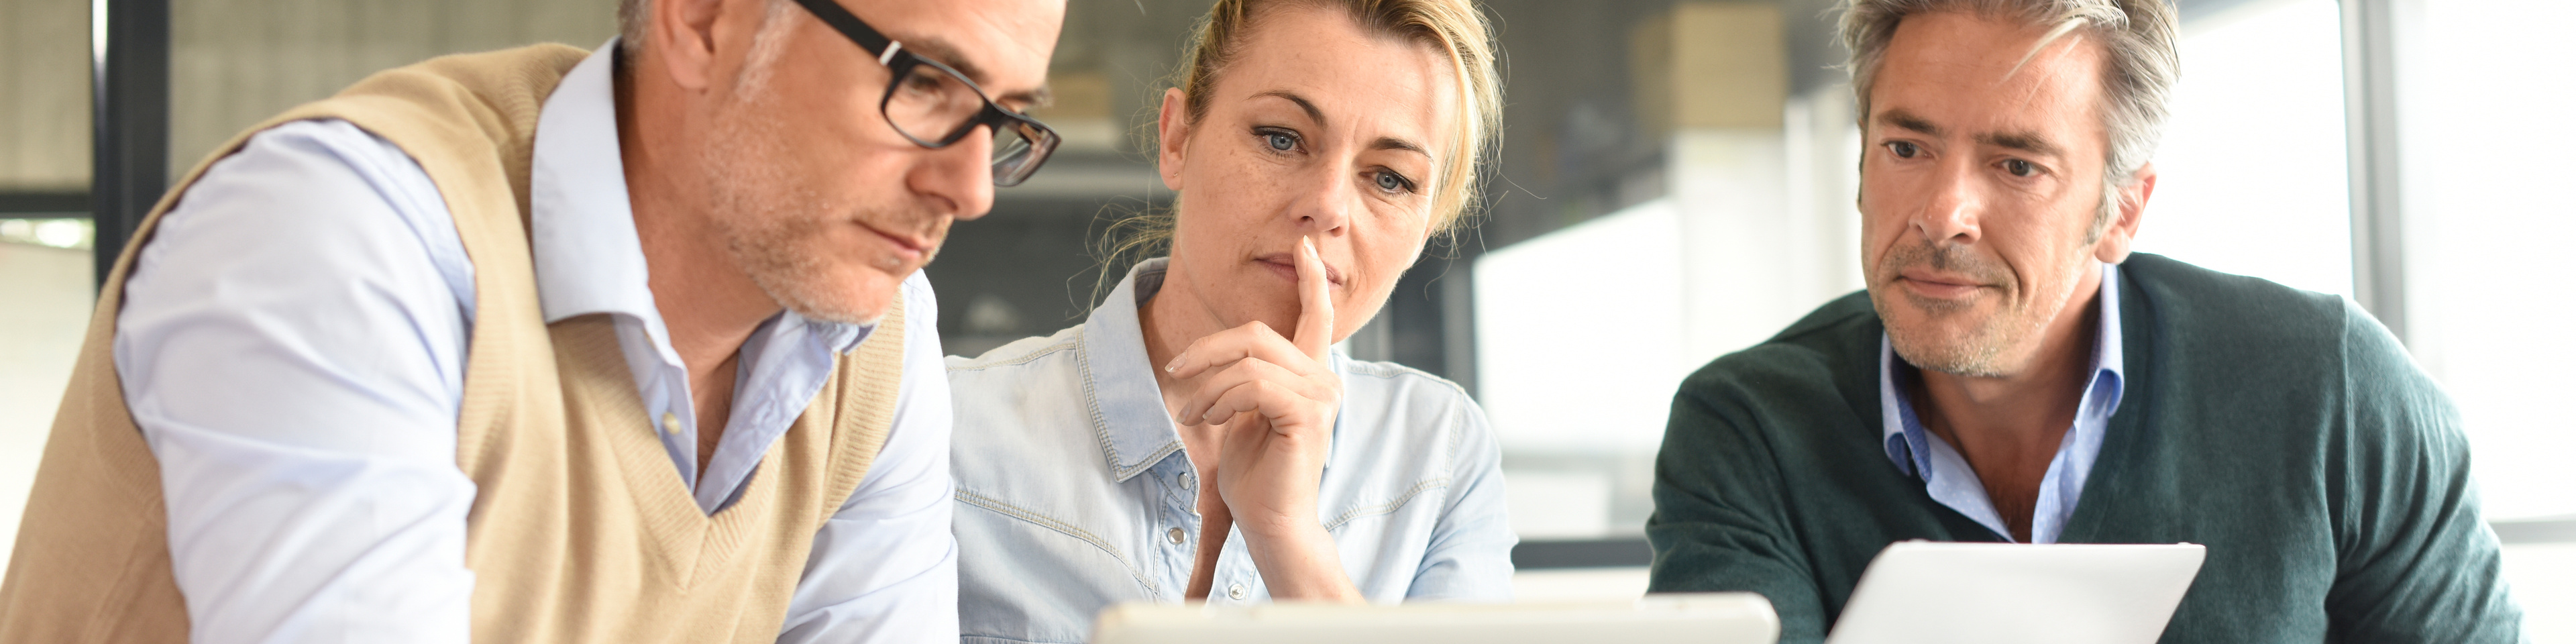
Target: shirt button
{"points": [[1176, 535], [671, 423], [1234, 592], [1189, 482]]}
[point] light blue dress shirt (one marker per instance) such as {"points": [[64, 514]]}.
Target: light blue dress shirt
{"points": [[1073, 492], [1946, 474], [293, 343]]}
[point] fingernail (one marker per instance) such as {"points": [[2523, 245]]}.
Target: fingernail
{"points": [[1310, 246], [1176, 363]]}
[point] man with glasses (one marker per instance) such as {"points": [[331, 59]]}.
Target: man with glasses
{"points": [[550, 346]]}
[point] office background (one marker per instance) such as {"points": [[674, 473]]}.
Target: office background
{"points": [[1676, 182]]}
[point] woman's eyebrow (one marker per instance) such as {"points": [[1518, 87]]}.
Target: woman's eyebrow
{"points": [[1392, 143], [1317, 115], [1311, 113]]}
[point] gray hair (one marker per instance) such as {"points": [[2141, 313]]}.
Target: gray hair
{"points": [[2138, 36], [635, 16]]}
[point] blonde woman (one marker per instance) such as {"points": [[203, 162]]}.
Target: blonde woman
{"points": [[1195, 438]]}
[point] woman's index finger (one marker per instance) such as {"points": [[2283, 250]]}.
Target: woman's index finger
{"points": [[1315, 299]]}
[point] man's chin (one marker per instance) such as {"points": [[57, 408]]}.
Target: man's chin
{"points": [[1948, 355], [853, 315], [1954, 341], [859, 295]]}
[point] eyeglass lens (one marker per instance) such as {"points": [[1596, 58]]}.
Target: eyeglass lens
{"points": [[937, 108]]}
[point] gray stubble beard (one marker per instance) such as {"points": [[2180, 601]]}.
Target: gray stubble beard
{"points": [[755, 209], [1978, 355]]}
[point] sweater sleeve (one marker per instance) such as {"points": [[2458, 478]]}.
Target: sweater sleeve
{"points": [[1719, 523], [2415, 560]]}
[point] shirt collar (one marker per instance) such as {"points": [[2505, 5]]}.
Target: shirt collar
{"points": [[582, 226], [1902, 432], [1126, 404], [2102, 393]]}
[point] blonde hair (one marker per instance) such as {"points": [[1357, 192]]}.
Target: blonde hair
{"points": [[1453, 27]]}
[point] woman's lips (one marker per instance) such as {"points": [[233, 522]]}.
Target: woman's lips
{"points": [[1285, 266]]}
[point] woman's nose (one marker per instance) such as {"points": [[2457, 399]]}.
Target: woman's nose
{"points": [[1326, 205]]}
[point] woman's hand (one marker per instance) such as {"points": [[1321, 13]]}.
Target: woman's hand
{"points": [[1276, 398]]}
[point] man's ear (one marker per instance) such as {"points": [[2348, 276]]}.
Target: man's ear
{"points": [[683, 35], [1171, 136], [2113, 248]]}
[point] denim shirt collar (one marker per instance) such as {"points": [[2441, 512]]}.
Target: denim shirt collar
{"points": [[1127, 411], [1908, 444]]}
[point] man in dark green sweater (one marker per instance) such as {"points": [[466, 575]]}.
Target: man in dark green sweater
{"points": [[2012, 373]]}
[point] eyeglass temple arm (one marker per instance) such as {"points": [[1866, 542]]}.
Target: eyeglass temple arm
{"points": [[867, 37]]}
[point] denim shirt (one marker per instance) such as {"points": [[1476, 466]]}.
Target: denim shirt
{"points": [[1074, 492]]}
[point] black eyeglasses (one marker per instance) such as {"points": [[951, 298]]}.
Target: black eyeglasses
{"points": [[935, 106]]}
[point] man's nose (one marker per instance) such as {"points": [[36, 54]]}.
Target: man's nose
{"points": [[958, 178], [1951, 206]]}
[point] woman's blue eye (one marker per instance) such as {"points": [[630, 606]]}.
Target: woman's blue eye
{"points": [[1387, 181], [1281, 141]]}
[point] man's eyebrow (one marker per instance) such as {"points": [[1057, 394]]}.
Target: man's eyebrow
{"points": [[1316, 114], [933, 48], [1905, 120], [2030, 142]]}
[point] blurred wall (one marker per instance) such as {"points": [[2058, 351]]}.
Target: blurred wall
{"points": [[44, 113], [234, 63]]}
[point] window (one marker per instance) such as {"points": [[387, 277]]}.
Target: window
{"points": [[2253, 174], [2487, 232], [1576, 367]]}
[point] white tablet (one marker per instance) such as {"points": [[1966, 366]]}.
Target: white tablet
{"points": [[1919, 592], [1713, 618]]}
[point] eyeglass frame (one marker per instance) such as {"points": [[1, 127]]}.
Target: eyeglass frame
{"points": [[899, 63]]}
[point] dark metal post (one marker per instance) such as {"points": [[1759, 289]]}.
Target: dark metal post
{"points": [[129, 118], [1458, 319], [2370, 44], [1428, 321]]}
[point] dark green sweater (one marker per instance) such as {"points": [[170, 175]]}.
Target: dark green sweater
{"points": [[2285, 430]]}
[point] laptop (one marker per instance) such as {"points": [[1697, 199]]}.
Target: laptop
{"points": [[1914, 592], [1712, 618], [1920, 592]]}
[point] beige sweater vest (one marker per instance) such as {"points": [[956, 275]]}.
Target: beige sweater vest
{"points": [[580, 529]]}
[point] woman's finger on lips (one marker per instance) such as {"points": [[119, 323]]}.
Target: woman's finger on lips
{"points": [[1315, 302]]}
